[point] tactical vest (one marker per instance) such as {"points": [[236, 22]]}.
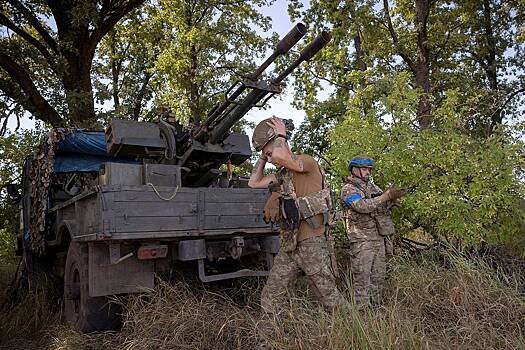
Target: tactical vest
{"points": [[367, 226], [320, 202]]}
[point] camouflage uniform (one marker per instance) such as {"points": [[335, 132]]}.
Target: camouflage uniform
{"points": [[300, 204], [314, 256], [311, 257], [368, 226]]}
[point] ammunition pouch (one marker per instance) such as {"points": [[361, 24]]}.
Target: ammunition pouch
{"points": [[291, 214], [315, 204], [384, 224]]}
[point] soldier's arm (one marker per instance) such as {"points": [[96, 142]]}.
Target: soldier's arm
{"points": [[257, 178], [281, 153], [364, 205], [354, 199]]}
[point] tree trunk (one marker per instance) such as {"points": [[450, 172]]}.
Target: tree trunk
{"points": [[115, 71], [137, 106], [491, 69], [193, 89], [79, 91], [422, 69], [69, 53]]}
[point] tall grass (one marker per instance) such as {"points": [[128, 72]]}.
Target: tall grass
{"points": [[24, 320], [452, 303]]}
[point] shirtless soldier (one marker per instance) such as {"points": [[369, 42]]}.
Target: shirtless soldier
{"points": [[299, 204]]}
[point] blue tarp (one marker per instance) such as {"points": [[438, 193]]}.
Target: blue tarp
{"points": [[84, 142], [83, 151], [74, 162]]}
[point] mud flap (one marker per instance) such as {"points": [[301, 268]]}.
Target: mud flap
{"points": [[123, 276]]}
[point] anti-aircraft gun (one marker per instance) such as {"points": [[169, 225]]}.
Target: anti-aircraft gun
{"points": [[106, 211], [201, 150]]}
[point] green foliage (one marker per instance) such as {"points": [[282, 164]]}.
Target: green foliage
{"points": [[127, 56], [364, 93], [206, 44], [464, 188], [472, 47], [180, 55]]}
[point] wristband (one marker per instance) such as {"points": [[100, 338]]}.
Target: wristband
{"points": [[283, 136]]}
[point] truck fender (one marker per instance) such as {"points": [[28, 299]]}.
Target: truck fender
{"points": [[66, 231], [64, 235]]}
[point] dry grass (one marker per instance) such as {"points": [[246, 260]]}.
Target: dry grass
{"points": [[451, 304], [24, 323]]}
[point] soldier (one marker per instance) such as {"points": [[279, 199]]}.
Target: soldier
{"points": [[299, 203], [368, 222]]}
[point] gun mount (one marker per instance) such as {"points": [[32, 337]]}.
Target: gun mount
{"points": [[200, 151]]}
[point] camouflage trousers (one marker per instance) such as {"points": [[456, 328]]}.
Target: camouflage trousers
{"points": [[368, 271], [311, 257]]}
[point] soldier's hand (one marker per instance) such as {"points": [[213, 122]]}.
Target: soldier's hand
{"points": [[274, 187], [271, 210], [394, 193], [277, 125]]}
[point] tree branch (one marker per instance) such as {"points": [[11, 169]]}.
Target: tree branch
{"points": [[25, 35], [507, 101], [348, 87], [35, 23], [395, 39], [42, 108], [140, 96], [113, 16]]}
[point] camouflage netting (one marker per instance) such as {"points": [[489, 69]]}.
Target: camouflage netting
{"points": [[40, 176]]}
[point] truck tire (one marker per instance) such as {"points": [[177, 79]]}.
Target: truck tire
{"points": [[82, 312]]}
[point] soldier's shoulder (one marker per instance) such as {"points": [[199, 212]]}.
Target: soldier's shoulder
{"points": [[307, 158], [309, 162], [349, 188], [377, 188]]}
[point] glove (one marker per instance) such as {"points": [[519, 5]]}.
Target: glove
{"points": [[274, 187], [393, 193], [271, 210], [291, 214]]}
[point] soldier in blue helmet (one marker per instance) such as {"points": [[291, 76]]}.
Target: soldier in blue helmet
{"points": [[367, 216]]}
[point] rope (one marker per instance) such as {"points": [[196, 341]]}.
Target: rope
{"points": [[160, 196]]}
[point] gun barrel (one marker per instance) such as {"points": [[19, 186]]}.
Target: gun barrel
{"points": [[307, 53], [284, 45], [237, 111]]}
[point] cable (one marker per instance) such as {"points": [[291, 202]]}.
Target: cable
{"points": [[159, 195]]}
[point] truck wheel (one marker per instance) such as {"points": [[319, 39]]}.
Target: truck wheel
{"points": [[82, 312]]}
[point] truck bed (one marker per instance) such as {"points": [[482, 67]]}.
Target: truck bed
{"points": [[147, 212]]}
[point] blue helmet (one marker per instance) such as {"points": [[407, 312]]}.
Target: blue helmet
{"points": [[361, 161]]}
